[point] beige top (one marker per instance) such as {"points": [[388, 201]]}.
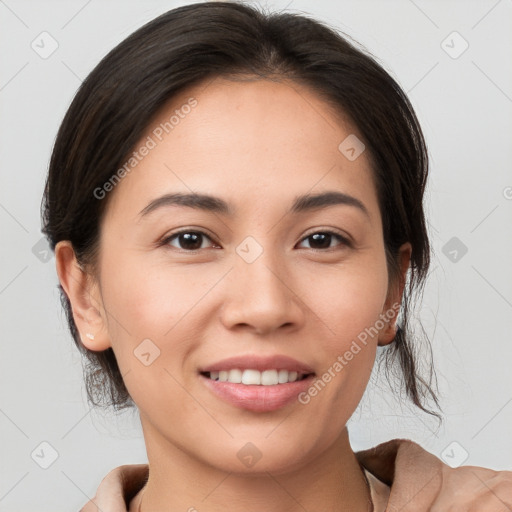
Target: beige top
{"points": [[379, 492]]}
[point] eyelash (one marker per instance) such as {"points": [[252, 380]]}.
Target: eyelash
{"points": [[165, 241]]}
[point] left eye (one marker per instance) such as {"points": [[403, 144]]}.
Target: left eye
{"points": [[193, 240], [324, 238]]}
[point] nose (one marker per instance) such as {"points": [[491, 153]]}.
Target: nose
{"points": [[262, 296]]}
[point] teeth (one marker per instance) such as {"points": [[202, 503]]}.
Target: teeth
{"points": [[255, 377], [251, 377], [269, 378], [282, 376], [235, 376]]}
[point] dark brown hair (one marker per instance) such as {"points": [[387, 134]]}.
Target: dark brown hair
{"points": [[188, 45]]}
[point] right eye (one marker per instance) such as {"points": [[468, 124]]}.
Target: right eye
{"points": [[188, 239]]}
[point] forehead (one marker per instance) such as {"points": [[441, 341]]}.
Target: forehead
{"points": [[253, 142]]}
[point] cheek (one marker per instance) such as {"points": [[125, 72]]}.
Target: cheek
{"points": [[349, 302], [156, 310], [151, 300], [148, 313], [141, 306]]}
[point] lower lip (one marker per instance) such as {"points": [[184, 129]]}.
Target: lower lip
{"points": [[258, 398]]}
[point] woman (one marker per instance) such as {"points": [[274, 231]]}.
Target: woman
{"points": [[194, 184]]}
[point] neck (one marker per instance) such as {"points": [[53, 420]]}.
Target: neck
{"points": [[332, 481]]}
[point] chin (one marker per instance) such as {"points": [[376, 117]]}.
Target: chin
{"points": [[258, 454]]}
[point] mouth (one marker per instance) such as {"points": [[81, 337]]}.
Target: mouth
{"points": [[258, 384]]}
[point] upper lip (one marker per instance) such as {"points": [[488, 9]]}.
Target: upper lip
{"points": [[260, 363]]}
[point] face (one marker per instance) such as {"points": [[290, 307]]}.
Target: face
{"points": [[257, 280]]}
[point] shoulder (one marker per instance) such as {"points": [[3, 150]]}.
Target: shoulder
{"points": [[402, 473], [412, 474], [412, 479], [118, 488]]}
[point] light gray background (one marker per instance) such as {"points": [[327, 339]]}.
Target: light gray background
{"points": [[465, 107]]}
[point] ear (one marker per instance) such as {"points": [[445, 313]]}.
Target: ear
{"points": [[84, 296], [394, 298]]}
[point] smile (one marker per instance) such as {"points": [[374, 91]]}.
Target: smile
{"points": [[251, 377]]}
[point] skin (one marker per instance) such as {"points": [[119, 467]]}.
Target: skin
{"points": [[257, 145]]}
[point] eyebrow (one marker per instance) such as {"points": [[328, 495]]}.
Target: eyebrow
{"points": [[303, 203]]}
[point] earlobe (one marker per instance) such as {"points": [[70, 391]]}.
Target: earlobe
{"points": [[387, 335], [394, 299], [83, 295]]}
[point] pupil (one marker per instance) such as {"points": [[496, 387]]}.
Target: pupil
{"points": [[188, 237], [318, 236]]}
